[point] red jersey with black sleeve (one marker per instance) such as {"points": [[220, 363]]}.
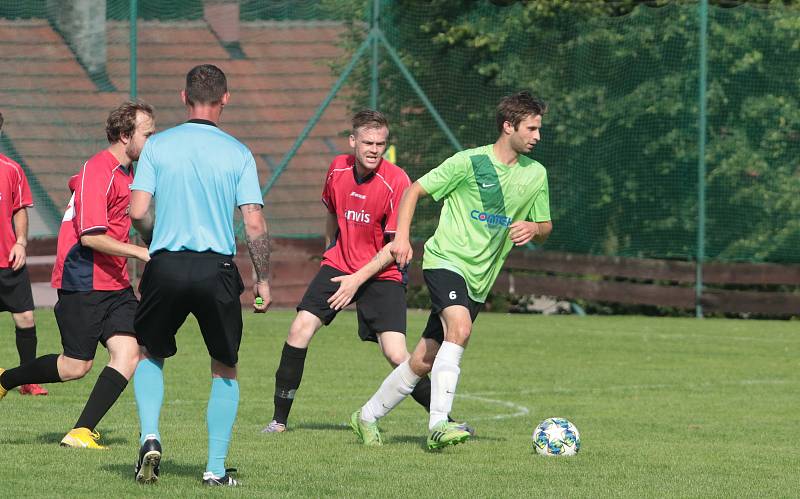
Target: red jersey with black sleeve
{"points": [[14, 195], [366, 210], [100, 203]]}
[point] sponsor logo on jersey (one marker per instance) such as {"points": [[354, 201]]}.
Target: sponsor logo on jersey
{"points": [[357, 216], [490, 218], [357, 195]]}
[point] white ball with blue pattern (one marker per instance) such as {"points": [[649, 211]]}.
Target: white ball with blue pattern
{"points": [[556, 437]]}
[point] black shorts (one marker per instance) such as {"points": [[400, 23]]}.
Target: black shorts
{"points": [[446, 288], [15, 290], [87, 317], [380, 305], [177, 283]]}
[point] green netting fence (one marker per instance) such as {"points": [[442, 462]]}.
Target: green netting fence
{"points": [[636, 92]]}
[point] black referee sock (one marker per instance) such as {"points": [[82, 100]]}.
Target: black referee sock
{"points": [[287, 380], [422, 392], [106, 391], [26, 344], [41, 370]]}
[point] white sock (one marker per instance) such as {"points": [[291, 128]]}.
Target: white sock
{"points": [[396, 387], [444, 379]]}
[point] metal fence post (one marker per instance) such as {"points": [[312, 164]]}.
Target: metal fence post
{"points": [[701, 156]]}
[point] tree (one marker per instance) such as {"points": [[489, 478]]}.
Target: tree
{"points": [[621, 139]]}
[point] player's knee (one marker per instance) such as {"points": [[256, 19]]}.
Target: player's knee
{"points": [[24, 320], [222, 370], [396, 357], [459, 333], [300, 333], [126, 362], [74, 368], [421, 365]]}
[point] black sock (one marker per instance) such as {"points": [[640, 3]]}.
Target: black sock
{"points": [[422, 394], [106, 391], [41, 370], [287, 380], [26, 344]]}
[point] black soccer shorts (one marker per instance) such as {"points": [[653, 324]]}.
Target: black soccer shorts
{"points": [[447, 289], [380, 305], [87, 317], [207, 285], [15, 290]]}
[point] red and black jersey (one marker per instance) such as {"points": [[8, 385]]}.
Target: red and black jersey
{"points": [[366, 210], [14, 195], [100, 203]]}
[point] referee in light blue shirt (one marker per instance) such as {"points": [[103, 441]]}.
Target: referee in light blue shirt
{"points": [[197, 174]]}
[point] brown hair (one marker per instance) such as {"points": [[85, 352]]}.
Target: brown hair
{"points": [[1, 120], [122, 120], [205, 84], [369, 118], [515, 108]]}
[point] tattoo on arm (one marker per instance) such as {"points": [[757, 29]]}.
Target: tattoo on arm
{"points": [[259, 248], [250, 208]]}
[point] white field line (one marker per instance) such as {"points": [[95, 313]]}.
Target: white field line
{"points": [[518, 410], [647, 387]]}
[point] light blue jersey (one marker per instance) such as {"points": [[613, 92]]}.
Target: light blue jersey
{"points": [[197, 175]]}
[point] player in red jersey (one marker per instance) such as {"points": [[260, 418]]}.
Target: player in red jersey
{"points": [[361, 193], [15, 283], [95, 299]]}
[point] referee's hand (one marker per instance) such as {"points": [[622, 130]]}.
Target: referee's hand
{"points": [[261, 290]]}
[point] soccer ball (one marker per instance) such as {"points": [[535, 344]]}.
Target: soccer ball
{"points": [[556, 437]]}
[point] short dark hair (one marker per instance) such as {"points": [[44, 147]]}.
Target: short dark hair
{"points": [[369, 118], [122, 120], [205, 84], [1, 121], [515, 108]]}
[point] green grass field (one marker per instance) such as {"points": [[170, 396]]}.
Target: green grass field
{"points": [[665, 407]]}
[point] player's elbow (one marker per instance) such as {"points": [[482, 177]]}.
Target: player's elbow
{"points": [[138, 213], [254, 224], [89, 240], [140, 205]]}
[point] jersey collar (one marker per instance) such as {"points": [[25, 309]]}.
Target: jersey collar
{"points": [[202, 122], [368, 176], [113, 164]]}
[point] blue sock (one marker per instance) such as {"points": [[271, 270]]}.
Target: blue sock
{"points": [[222, 405], [148, 387]]}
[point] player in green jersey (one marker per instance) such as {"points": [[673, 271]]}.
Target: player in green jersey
{"points": [[495, 198]]}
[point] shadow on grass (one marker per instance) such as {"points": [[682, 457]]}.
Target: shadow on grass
{"points": [[422, 440], [320, 426], [52, 438], [167, 468]]}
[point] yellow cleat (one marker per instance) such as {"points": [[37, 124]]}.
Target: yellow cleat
{"points": [[3, 391], [82, 438]]}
